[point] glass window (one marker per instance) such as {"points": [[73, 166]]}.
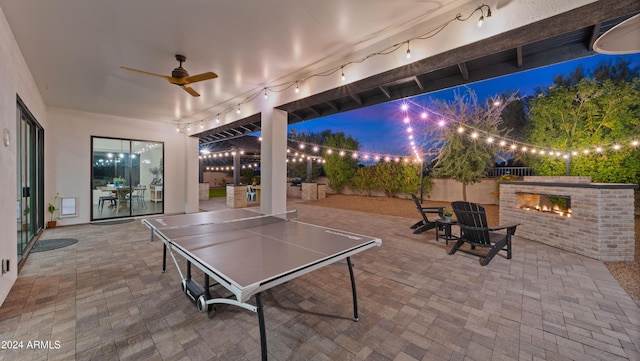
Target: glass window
{"points": [[127, 178], [30, 179]]}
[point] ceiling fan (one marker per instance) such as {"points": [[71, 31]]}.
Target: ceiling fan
{"points": [[180, 77]]}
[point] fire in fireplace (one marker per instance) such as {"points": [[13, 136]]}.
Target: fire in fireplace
{"points": [[547, 203]]}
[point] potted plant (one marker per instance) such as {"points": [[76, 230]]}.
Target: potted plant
{"points": [[118, 182], [52, 210], [447, 215], [25, 212]]}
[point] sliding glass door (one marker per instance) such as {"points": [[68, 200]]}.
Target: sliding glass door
{"points": [[127, 178], [30, 179]]}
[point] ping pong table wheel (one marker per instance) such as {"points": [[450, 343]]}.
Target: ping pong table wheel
{"points": [[183, 286], [202, 304]]}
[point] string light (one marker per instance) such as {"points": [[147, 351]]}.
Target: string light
{"points": [[389, 50], [490, 139], [481, 20]]}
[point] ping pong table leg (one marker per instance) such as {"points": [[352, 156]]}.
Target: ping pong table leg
{"points": [[263, 334], [164, 257], [353, 290]]}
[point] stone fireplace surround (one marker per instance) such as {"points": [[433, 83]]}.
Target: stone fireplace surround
{"points": [[601, 225]]}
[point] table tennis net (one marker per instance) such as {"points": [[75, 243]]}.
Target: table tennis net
{"points": [[263, 219]]}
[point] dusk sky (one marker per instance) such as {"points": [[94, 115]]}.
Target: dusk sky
{"points": [[380, 128]]}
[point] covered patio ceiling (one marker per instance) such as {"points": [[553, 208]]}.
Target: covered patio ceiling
{"points": [[564, 37]]}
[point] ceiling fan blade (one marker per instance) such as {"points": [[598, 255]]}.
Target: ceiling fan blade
{"points": [[201, 77], [190, 90], [146, 72]]}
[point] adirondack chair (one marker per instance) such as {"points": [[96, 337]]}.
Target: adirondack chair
{"points": [[475, 231], [425, 223]]}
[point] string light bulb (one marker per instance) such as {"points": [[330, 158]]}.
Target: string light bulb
{"points": [[342, 76], [481, 20], [297, 88], [265, 93], [238, 110], [408, 51]]}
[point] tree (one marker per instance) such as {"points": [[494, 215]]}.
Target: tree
{"points": [[363, 180], [462, 155], [394, 177], [514, 115], [340, 168], [605, 70], [299, 169], [391, 177], [584, 116]]}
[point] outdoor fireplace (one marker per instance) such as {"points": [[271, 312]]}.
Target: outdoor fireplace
{"points": [[592, 219], [559, 205]]}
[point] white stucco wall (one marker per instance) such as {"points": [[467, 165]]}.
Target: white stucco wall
{"points": [[68, 158], [67, 152], [15, 79]]}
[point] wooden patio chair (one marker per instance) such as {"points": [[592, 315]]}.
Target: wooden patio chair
{"points": [[425, 223], [475, 231]]}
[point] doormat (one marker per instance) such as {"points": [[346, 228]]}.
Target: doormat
{"points": [[49, 244], [109, 223]]}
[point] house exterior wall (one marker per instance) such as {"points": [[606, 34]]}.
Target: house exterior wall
{"points": [[68, 150], [68, 155], [15, 80]]}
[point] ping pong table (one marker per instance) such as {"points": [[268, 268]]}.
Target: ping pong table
{"points": [[250, 255]]}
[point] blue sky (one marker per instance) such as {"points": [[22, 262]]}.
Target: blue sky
{"points": [[380, 128]]}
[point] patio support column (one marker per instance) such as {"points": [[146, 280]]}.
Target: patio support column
{"points": [[273, 161], [192, 167], [236, 166]]}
